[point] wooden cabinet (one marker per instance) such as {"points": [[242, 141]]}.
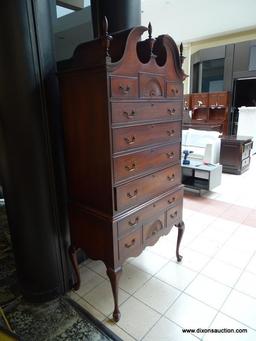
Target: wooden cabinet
{"points": [[211, 109], [122, 110], [218, 100], [235, 153], [199, 100]]}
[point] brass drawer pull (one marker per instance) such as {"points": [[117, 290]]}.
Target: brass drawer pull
{"points": [[170, 155], [171, 201], [171, 178], [131, 114], [171, 111], [131, 168], [170, 132], [174, 215], [124, 89], [132, 243], [175, 91], [130, 196], [134, 223], [130, 140]]}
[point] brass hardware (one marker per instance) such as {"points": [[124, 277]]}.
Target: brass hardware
{"points": [[130, 140], [171, 201], [130, 196], [175, 91], [170, 132], [131, 168], [135, 222], [124, 89], [131, 114], [171, 111], [174, 215], [170, 155], [131, 244], [171, 178]]}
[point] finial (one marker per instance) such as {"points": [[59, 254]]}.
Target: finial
{"points": [[149, 30], [105, 36], [151, 40], [182, 58]]}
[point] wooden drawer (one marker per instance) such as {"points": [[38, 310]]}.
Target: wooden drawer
{"points": [[132, 137], [133, 221], [153, 230], [142, 111], [138, 191], [136, 163], [151, 85], [124, 87], [245, 163], [246, 150], [246, 154], [174, 215], [130, 245], [174, 89]]}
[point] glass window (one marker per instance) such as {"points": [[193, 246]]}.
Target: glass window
{"points": [[61, 11], [213, 75]]}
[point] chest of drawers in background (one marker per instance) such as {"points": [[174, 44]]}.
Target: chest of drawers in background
{"points": [[122, 129], [235, 153]]}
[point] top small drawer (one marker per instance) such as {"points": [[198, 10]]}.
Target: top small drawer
{"points": [[151, 86], [174, 89], [124, 87]]}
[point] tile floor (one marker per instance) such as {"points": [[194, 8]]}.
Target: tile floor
{"points": [[213, 287]]}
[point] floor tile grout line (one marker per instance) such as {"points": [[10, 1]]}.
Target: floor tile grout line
{"points": [[115, 324], [183, 291], [210, 258], [232, 289], [105, 316]]}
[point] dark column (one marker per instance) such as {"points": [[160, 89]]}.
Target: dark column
{"points": [[121, 14], [31, 149]]}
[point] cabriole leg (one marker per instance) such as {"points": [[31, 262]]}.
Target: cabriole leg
{"points": [[114, 276], [181, 228], [73, 258]]}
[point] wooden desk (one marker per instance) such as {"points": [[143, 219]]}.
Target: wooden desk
{"points": [[203, 125]]}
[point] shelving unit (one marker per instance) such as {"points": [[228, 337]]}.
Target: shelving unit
{"points": [[199, 176], [210, 109]]}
